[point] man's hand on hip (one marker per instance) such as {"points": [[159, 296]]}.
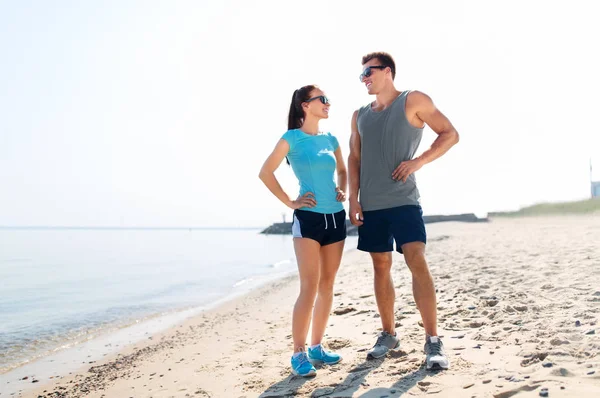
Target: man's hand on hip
{"points": [[406, 168]]}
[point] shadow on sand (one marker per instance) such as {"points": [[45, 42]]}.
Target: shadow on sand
{"points": [[289, 386], [356, 377], [400, 387], [285, 388]]}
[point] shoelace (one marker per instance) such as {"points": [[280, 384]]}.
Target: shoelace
{"points": [[322, 352], [435, 348], [380, 339], [302, 359]]}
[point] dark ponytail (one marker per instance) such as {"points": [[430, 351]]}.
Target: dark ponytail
{"points": [[296, 115]]}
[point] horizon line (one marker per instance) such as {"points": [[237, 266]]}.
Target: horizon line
{"points": [[117, 227]]}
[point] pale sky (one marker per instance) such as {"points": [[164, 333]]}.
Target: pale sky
{"points": [[161, 113]]}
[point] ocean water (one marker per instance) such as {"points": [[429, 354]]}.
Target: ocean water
{"points": [[60, 287]]}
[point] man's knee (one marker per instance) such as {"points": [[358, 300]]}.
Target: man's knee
{"points": [[414, 254], [382, 262], [414, 250]]}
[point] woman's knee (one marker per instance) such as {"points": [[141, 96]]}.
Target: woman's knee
{"points": [[309, 287], [326, 286]]}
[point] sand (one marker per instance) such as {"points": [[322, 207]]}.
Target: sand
{"points": [[518, 306]]}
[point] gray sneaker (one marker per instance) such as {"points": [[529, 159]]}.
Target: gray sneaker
{"points": [[436, 357], [384, 343]]}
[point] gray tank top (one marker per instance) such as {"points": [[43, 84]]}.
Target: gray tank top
{"points": [[387, 139]]}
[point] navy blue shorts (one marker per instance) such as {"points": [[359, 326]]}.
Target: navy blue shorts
{"points": [[380, 228], [324, 228]]}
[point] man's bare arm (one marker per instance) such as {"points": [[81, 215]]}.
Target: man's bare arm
{"points": [[356, 215], [354, 160], [342, 176], [428, 113], [439, 123]]}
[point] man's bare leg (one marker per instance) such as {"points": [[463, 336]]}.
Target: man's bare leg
{"points": [[424, 293], [385, 296], [384, 289], [423, 287]]}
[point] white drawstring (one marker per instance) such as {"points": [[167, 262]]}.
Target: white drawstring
{"points": [[333, 218]]}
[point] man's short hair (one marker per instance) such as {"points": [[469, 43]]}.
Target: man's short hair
{"points": [[384, 59]]}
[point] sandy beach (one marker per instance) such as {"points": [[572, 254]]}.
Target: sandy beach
{"points": [[518, 308]]}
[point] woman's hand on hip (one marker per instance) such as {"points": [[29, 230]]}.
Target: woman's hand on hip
{"points": [[306, 200]]}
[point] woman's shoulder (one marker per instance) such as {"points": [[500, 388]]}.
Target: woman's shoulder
{"points": [[292, 133], [332, 139]]}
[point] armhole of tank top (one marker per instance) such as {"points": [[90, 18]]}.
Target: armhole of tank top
{"points": [[360, 112], [405, 114]]}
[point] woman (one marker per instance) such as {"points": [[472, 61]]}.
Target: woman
{"points": [[319, 225]]}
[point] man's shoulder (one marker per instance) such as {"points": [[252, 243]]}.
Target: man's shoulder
{"points": [[362, 110], [416, 96]]}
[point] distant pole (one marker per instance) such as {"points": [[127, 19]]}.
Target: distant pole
{"points": [[283, 215], [591, 179]]}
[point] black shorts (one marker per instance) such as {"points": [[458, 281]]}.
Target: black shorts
{"points": [[324, 228], [380, 228]]}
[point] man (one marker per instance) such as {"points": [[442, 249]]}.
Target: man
{"points": [[385, 136]]}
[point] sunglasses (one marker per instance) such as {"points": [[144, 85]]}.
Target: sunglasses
{"points": [[368, 71], [324, 99]]}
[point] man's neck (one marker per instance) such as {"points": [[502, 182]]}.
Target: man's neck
{"points": [[387, 96]]}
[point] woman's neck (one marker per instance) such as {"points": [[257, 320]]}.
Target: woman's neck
{"points": [[310, 126]]}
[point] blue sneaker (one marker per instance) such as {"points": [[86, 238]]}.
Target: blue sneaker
{"points": [[301, 366], [318, 356]]}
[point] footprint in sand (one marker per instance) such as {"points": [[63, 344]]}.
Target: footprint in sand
{"points": [[397, 354], [343, 310], [510, 393], [201, 393], [429, 387], [557, 341], [533, 359], [337, 343], [439, 238], [562, 372]]}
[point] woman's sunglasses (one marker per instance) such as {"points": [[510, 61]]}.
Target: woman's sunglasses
{"points": [[368, 71], [324, 99]]}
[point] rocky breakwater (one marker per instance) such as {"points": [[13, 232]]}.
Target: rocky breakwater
{"points": [[286, 228]]}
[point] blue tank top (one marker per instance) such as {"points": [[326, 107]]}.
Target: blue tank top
{"points": [[313, 161]]}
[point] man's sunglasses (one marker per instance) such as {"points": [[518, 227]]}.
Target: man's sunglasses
{"points": [[368, 72], [324, 99]]}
